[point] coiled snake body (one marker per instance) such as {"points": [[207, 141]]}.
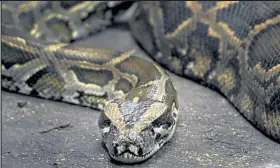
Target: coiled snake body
{"points": [[232, 47]]}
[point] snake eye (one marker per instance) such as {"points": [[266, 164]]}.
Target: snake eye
{"points": [[107, 121], [150, 127], [165, 121], [140, 151], [104, 125], [153, 131], [104, 121], [157, 137], [168, 124]]}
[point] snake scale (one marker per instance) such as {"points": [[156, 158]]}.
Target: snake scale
{"points": [[232, 47]]}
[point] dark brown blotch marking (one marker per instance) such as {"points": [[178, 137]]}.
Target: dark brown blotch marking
{"points": [[35, 77], [206, 5], [274, 103], [143, 69], [90, 76], [27, 19], [241, 23], [11, 55], [264, 48], [123, 85], [59, 29], [174, 13], [171, 93], [138, 92], [68, 4]]}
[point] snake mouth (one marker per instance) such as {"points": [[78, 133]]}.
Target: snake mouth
{"points": [[129, 157]]}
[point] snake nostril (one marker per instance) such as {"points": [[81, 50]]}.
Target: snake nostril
{"points": [[114, 144], [115, 151], [115, 148], [157, 137], [126, 145], [153, 131], [140, 152]]}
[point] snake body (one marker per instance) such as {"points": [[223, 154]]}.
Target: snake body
{"points": [[232, 47]]}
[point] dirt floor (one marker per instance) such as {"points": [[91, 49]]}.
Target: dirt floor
{"points": [[38, 133]]}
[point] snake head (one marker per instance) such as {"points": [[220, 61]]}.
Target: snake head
{"points": [[133, 130]]}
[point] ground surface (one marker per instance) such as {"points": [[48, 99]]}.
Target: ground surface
{"points": [[40, 133]]}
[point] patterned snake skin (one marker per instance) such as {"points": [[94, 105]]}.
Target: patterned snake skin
{"points": [[232, 47]]}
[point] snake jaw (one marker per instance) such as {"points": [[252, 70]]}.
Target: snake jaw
{"points": [[130, 157], [137, 151]]}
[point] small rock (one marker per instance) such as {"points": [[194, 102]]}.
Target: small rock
{"points": [[21, 104]]}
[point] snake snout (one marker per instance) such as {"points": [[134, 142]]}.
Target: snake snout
{"points": [[125, 146]]}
